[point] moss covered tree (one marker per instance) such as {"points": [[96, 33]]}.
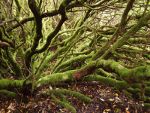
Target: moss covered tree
{"points": [[51, 42]]}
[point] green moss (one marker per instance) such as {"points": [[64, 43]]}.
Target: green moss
{"points": [[16, 67], [107, 81], [72, 60], [7, 93], [147, 106], [71, 93], [56, 78], [64, 104], [8, 84]]}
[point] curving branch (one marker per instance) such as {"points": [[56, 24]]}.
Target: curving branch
{"points": [[51, 36], [118, 31], [120, 42], [45, 15], [135, 75], [38, 20]]}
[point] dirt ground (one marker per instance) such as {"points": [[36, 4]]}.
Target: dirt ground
{"points": [[104, 100]]}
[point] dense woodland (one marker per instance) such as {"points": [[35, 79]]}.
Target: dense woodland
{"points": [[46, 45]]}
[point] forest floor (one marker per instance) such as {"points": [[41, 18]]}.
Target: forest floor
{"points": [[105, 100]]}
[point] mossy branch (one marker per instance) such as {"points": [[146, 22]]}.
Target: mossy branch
{"points": [[118, 31], [38, 20], [16, 67], [71, 61], [9, 84], [64, 104], [104, 53], [8, 94], [70, 93], [120, 42], [138, 74], [118, 84]]}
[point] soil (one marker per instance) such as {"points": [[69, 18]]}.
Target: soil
{"points": [[104, 100]]}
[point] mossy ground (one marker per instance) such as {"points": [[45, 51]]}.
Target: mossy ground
{"points": [[105, 100]]}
